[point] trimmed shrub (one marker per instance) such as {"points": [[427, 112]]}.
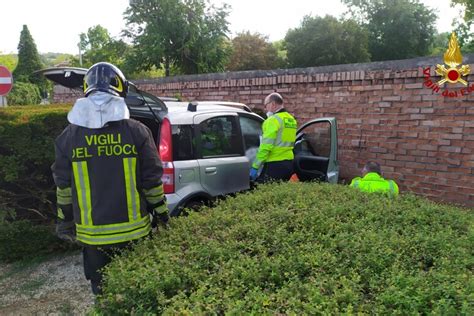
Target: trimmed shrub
{"points": [[24, 93], [23, 240], [26, 153], [301, 248], [27, 191]]}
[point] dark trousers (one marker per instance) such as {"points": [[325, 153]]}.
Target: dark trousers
{"points": [[276, 171], [95, 259]]}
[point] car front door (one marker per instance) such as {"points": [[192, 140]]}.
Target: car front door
{"points": [[222, 163], [316, 151]]}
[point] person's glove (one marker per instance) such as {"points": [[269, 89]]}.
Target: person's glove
{"points": [[159, 217], [66, 230], [253, 174]]}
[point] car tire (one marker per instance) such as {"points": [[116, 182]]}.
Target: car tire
{"points": [[191, 206]]}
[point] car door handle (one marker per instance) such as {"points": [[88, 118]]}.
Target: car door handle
{"points": [[211, 170]]}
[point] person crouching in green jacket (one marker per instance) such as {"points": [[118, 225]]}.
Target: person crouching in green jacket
{"points": [[372, 181]]}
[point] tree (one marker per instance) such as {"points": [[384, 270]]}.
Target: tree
{"points": [[397, 29], [183, 33], [440, 44], [468, 6], [29, 61], [252, 51], [282, 54], [326, 41], [465, 28], [24, 93], [98, 46]]}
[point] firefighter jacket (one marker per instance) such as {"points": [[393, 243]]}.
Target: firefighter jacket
{"points": [[105, 180], [373, 182], [278, 139]]}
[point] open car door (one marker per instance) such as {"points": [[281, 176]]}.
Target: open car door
{"points": [[316, 151]]}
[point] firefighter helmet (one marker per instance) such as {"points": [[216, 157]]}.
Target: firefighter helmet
{"points": [[105, 77]]}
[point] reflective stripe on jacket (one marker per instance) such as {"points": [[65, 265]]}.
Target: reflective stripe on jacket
{"points": [[278, 139], [110, 175], [373, 182]]}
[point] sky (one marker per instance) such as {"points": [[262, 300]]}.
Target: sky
{"points": [[56, 24]]}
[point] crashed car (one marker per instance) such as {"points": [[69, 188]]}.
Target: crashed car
{"points": [[207, 146]]}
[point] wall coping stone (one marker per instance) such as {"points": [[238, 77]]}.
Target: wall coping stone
{"points": [[391, 65]]}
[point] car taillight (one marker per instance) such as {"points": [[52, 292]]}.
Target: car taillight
{"points": [[166, 156]]}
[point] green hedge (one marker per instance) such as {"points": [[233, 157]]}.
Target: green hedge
{"points": [[23, 240], [27, 136], [27, 191], [24, 93], [302, 249]]}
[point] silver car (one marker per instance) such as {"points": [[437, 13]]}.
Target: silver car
{"points": [[207, 147]]}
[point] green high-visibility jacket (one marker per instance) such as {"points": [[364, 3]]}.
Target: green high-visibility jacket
{"points": [[278, 139], [373, 182], [106, 179]]}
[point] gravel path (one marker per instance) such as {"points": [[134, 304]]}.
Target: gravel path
{"points": [[53, 287]]}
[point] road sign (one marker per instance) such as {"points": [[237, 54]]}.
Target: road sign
{"points": [[6, 81]]}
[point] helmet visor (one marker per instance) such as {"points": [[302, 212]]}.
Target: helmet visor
{"points": [[104, 78]]}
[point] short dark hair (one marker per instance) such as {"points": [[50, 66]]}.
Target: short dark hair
{"points": [[275, 97], [372, 166]]}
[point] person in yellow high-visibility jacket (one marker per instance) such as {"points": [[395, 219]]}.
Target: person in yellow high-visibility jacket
{"points": [[372, 181], [275, 153]]}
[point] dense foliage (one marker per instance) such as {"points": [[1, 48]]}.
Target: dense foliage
{"points": [[326, 41], [9, 61], [253, 51], [27, 151], [190, 35], [302, 249], [24, 93], [27, 192], [398, 29], [99, 46], [24, 240]]}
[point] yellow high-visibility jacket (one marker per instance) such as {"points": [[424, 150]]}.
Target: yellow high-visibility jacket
{"points": [[373, 182], [278, 139]]}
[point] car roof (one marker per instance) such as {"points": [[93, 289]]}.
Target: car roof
{"points": [[178, 112]]}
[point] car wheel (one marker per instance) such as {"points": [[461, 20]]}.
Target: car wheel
{"points": [[191, 206]]}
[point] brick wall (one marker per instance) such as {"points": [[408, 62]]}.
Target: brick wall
{"points": [[389, 112]]}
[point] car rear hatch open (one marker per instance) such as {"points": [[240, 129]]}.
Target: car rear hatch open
{"points": [[141, 104]]}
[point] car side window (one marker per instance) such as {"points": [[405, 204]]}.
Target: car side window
{"points": [[220, 137], [316, 140], [251, 131], [183, 148]]}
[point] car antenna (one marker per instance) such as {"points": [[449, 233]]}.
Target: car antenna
{"points": [[157, 120]]}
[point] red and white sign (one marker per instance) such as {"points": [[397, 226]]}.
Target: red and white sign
{"points": [[6, 81]]}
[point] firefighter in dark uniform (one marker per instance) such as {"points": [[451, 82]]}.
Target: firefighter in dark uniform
{"points": [[107, 172]]}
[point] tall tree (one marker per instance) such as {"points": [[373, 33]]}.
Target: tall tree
{"points": [[440, 44], [465, 28], [397, 29], [184, 33], [29, 61], [325, 40], [98, 46], [468, 6], [252, 51]]}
